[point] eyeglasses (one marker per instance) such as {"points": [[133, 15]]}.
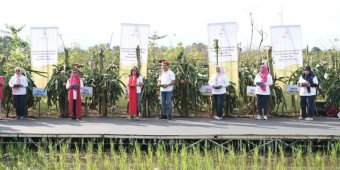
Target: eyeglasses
{"points": [[17, 70]]}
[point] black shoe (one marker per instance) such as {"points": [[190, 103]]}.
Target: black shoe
{"points": [[73, 117], [169, 117], [163, 117]]}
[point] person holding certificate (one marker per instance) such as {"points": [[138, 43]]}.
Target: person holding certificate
{"points": [[166, 81], [74, 84], [219, 82], [134, 82], [18, 83], [262, 81], [308, 83]]}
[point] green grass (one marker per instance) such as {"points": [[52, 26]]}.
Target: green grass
{"points": [[91, 156]]}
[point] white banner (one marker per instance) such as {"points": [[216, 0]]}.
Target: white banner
{"points": [[206, 90], [131, 36], [293, 89], [44, 46], [286, 46], [226, 34], [251, 91], [39, 92], [87, 91]]}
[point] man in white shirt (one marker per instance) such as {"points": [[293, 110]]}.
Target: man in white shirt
{"points": [[166, 78]]}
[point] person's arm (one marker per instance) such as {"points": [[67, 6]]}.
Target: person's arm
{"points": [[128, 79], [211, 81], [2, 82], [140, 81], [300, 81], [269, 80], [68, 84], [159, 79], [257, 79], [11, 83], [226, 82], [25, 83], [315, 82], [81, 84]]}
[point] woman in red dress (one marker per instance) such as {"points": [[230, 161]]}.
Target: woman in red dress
{"points": [[74, 84], [135, 81]]}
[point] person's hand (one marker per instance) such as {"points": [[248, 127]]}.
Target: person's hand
{"points": [[221, 86], [308, 85], [166, 86], [213, 86]]}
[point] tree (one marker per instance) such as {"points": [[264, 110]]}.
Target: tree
{"points": [[315, 50], [152, 43], [18, 51], [263, 37]]}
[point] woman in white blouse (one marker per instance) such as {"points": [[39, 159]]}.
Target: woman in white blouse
{"points": [[219, 82], [134, 82], [262, 81], [308, 83], [18, 83]]}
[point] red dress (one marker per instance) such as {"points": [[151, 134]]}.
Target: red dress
{"points": [[78, 101], [133, 96]]}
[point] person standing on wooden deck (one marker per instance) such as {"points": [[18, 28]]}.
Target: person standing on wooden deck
{"points": [[168, 79], [308, 83], [262, 81], [219, 82], [18, 83], [74, 84], [134, 82], [2, 83]]}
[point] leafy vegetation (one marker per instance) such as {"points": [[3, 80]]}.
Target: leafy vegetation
{"points": [[90, 155]]}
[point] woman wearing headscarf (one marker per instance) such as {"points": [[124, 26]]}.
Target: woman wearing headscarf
{"points": [[74, 84], [262, 81], [219, 82], [18, 83], [308, 83], [134, 81], [2, 83]]}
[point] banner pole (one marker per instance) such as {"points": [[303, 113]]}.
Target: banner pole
{"points": [[210, 114], [295, 106], [253, 107], [86, 105], [39, 108]]}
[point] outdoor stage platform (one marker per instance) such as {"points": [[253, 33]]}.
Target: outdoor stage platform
{"points": [[242, 130]]}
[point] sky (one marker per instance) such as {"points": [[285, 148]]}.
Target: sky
{"points": [[92, 22]]}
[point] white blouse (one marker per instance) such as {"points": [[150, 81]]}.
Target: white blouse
{"points": [[139, 80], [304, 91], [24, 83], [222, 80], [75, 91], [268, 83]]}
